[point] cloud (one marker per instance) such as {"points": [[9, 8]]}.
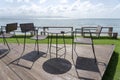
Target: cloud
{"points": [[42, 1], [11, 1], [82, 9], [63, 1], [26, 1], [117, 7], [76, 9]]}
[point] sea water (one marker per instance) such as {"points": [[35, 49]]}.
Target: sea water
{"points": [[75, 23]]}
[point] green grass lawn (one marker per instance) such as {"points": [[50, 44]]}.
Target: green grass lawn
{"points": [[113, 69]]}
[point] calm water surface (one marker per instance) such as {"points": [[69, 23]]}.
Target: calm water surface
{"points": [[76, 23]]}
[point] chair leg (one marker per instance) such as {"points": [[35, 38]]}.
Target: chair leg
{"points": [[74, 47], [64, 45], [17, 40], [93, 49], [37, 46], [24, 43], [50, 45], [56, 45], [23, 49], [47, 47], [5, 41]]}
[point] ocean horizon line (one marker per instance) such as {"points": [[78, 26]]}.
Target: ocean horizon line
{"points": [[56, 18]]}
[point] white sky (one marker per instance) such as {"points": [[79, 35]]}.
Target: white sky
{"points": [[65, 8]]}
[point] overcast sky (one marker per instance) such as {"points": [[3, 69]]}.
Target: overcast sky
{"points": [[66, 8]]}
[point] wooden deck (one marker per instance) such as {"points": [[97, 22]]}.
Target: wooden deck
{"points": [[82, 67]]}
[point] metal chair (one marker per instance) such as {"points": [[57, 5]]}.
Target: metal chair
{"points": [[94, 30], [6, 32], [82, 40], [98, 31], [29, 27]]}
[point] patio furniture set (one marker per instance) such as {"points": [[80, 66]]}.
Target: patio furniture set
{"points": [[77, 36], [50, 35], [29, 27]]}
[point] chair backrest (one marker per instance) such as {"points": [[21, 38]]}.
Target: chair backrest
{"points": [[26, 27], [83, 31], [11, 27], [98, 31]]}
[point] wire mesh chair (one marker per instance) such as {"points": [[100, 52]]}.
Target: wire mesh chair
{"points": [[94, 30], [29, 27], [82, 40], [6, 32]]}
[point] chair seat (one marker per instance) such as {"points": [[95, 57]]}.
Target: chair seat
{"points": [[40, 37], [6, 35], [83, 40]]}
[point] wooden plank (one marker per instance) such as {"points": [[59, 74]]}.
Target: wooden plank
{"points": [[6, 73], [20, 71], [33, 72], [37, 72]]}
